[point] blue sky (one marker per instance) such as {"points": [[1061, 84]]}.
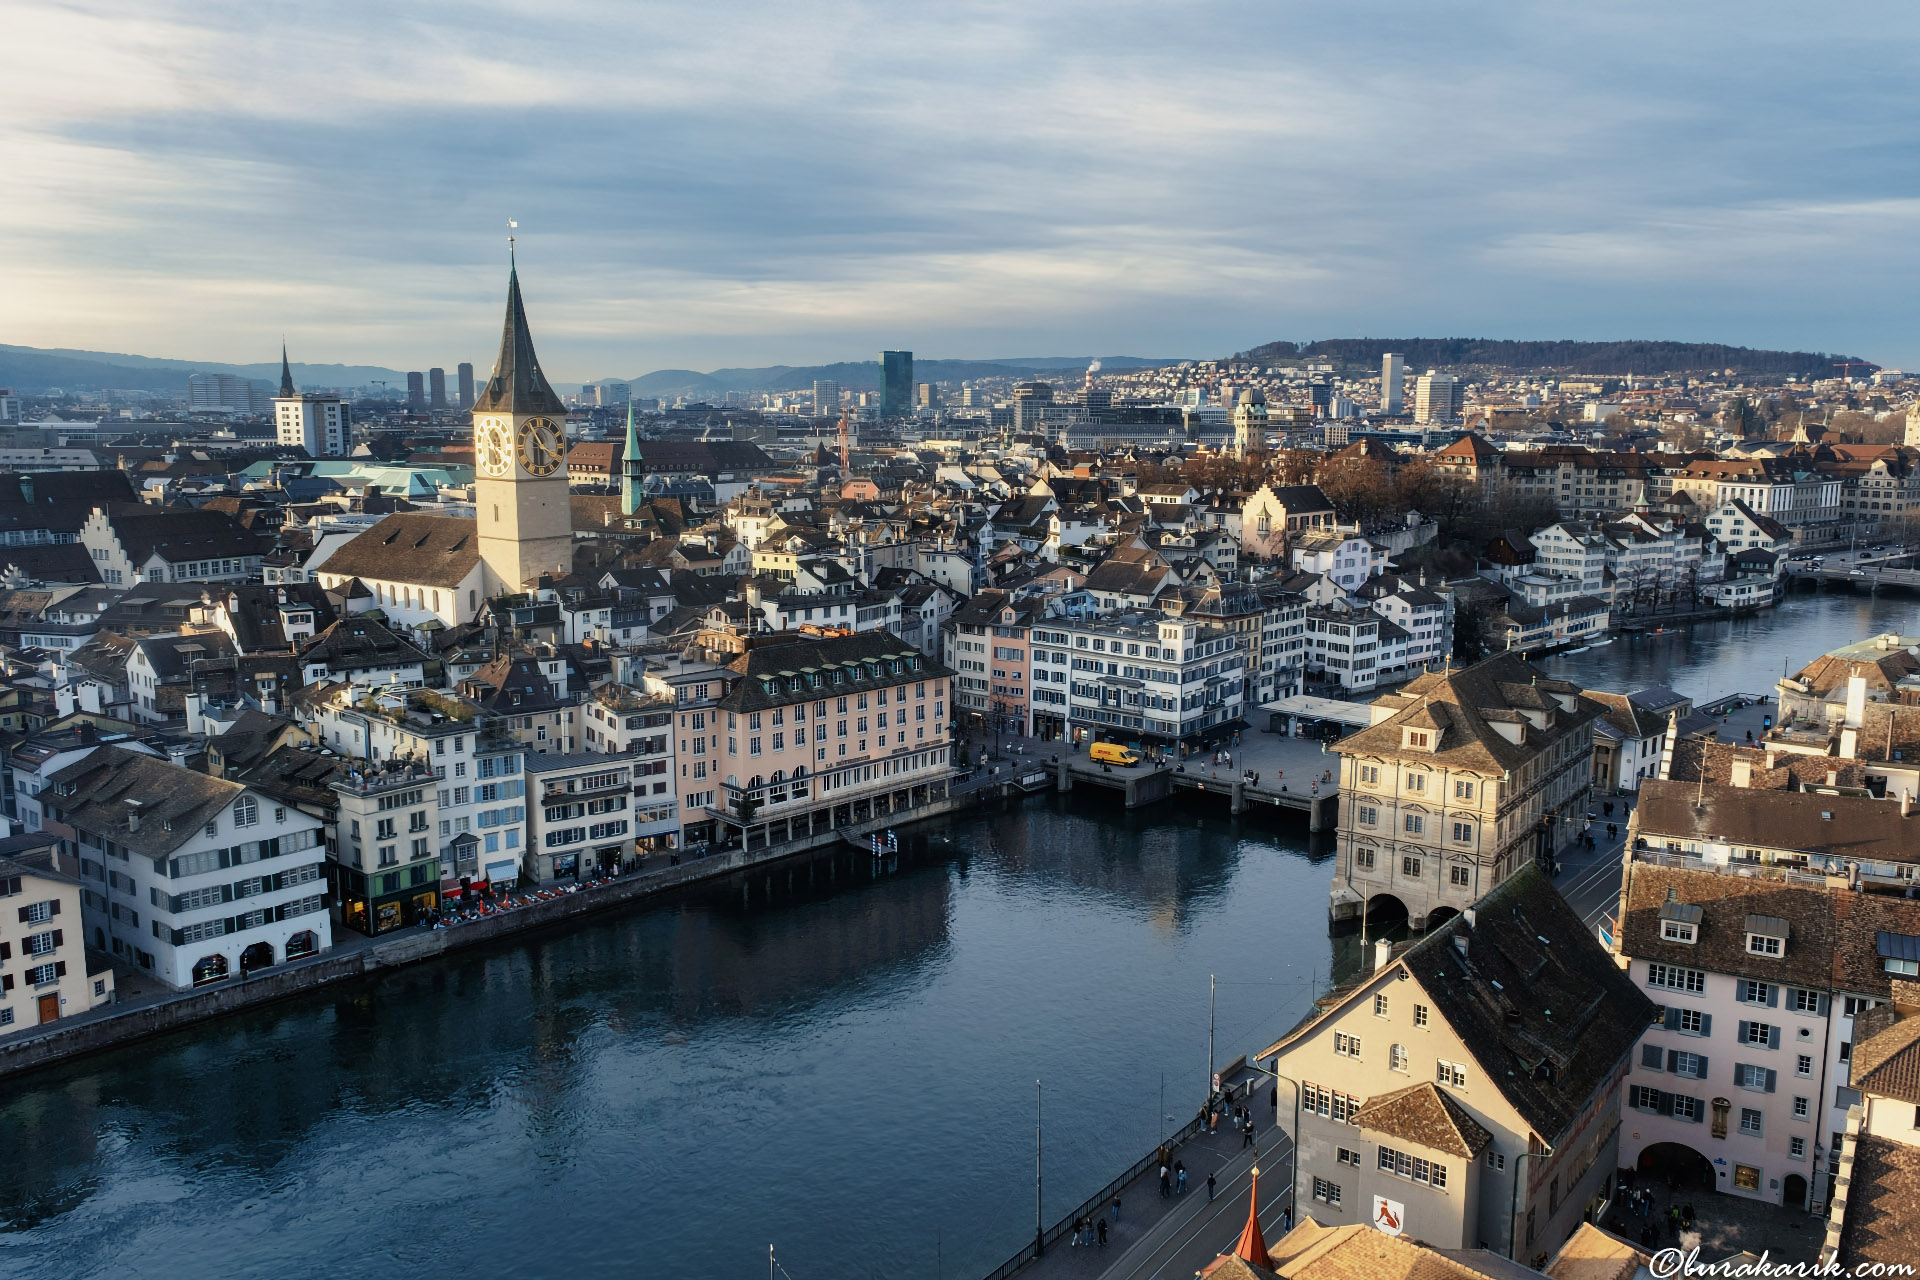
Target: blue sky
{"points": [[756, 183]]}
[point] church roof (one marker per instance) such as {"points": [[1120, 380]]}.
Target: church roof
{"points": [[517, 385]]}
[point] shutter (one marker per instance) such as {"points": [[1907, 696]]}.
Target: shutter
{"points": [[59, 968], [1672, 1018], [56, 907], [1773, 1037], [1773, 995], [1700, 1072], [23, 917], [1673, 1060], [6, 982], [1822, 1010], [1666, 1103], [1773, 1078], [1740, 1032], [58, 937], [1706, 1024], [1650, 1056]]}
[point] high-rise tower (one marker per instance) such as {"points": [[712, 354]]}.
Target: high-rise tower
{"points": [[520, 460]]}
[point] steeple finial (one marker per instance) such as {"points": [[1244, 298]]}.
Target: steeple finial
{"points": [[517, 385], [1251, 1247], [286, 372]]}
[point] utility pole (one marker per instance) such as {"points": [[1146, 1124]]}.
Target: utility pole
{"points": [[1213, 991], [1039, 1224]]}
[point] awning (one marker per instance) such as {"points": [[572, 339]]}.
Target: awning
{"points": [[503, 870]]}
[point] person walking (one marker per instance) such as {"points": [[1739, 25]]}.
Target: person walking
{"points": [[1116, 1206], [1209, 1188], [1166, 1183], [1077, 1230], [1103, 1233], [1179, 1177]]}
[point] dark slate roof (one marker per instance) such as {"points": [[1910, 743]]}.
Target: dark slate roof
{"points": [[517, 385], [1725, 902], [171, 657], [859, 661], [1856, 826], [1463, 706], [427, 550], [180, 535], [174, 803], [60, 500], [51, 562], [359, 642]]}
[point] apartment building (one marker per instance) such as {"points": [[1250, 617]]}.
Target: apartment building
{"points": [[638, 722], [1766, 919], [580, 822], [190, 878], [383, 863], [45, 971], [1344, 558], [992, 659], [1151, 678], [1473, 1080], [1789, 490], [1343, 645], [807, 733], [1462, 778], [1871, 1221]]}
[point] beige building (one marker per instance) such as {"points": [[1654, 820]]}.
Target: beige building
{"points": [[1471, 1083], [43, 962], [1463, 777]]}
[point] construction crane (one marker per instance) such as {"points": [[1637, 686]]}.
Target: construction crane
{"points": [[846, 462], [1846, 367]]}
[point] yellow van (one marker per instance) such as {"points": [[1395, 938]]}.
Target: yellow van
{"points": [[1112, 753]]}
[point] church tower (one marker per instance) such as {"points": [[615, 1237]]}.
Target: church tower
{"points": [[633, 470], [520, 463]]}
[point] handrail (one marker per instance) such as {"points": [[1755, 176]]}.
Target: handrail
{"points": [[1092, 1206]]}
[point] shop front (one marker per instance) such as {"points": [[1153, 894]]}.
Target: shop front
{"points": [[387, 900]]}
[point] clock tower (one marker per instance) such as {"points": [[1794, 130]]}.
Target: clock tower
{"points": [[520, 464]]}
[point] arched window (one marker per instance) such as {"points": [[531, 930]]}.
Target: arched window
{"points": [[1397, 1057], [473, 600], [209, 969], [245, 812], [303, 943], [436, 602]]}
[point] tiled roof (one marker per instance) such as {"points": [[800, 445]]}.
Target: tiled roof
{"points": [[1888, 1064], [1424, 1115], [860, 660], [425, 550], [1837, 826], [1881, 1225], [1462, 703]]}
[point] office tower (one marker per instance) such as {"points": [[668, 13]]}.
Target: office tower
{"points": [[437, 390], [9, 405], [826, 398], [416, 393], [1393, 377], [223, 391], [466, 385], [929, 396], [896, 384], [968, 397], [1319, 394], [1438, 397], [316, 423], [1031, 400]]}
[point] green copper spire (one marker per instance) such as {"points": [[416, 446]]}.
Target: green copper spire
{"points": [[631, 469]]}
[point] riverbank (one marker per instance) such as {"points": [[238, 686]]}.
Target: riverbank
{"points": [[357, 958]]}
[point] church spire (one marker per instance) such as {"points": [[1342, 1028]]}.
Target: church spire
{"points": [[632, 470], [517, 385], [286, 373], [1251, 1247]]}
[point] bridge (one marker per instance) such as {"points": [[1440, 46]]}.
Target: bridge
{"points": [[1870, 572], [1146, 783]]}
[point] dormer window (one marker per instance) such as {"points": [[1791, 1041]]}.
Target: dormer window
{"points": [[1678, 931], [1679, 921], [1419, 739], [1766, 936]]}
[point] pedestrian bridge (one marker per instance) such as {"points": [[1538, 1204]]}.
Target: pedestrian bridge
{"points": [[1148, 783]]}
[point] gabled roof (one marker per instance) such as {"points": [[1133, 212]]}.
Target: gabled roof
{"points": [[172, 803], [415, 548], [517, 385], [357, 643], [1464, 705], [1425, 1115]]}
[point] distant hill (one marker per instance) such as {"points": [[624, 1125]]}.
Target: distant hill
{"points": [[1564, 357], [35, 370]]}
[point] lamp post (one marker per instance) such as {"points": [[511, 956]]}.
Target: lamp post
{"points": [[1039, 1225]]}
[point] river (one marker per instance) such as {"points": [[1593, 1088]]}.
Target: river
{"points": [[843, 1066]]}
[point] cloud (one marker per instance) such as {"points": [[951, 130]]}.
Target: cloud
{"points": [[758, 182]]}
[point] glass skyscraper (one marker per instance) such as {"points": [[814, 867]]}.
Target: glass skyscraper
{"points": [[896, 384]]}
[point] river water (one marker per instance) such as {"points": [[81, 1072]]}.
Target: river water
{"points": [[842, 1065]]}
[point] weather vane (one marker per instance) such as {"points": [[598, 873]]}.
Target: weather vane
{"points": [[511, 227]]}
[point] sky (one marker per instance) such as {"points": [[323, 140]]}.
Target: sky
{"points": [[753, 183]]}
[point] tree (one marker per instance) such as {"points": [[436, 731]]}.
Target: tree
{"points": [[1357, 487]]}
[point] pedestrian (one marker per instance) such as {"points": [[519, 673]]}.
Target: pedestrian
{"points": [[1209, 1188], [1286, 1220], [1166, 1183], [1116, 1206], [1179, 1177], [1103, 1233], [1078, 1230], [1246, 1136]]}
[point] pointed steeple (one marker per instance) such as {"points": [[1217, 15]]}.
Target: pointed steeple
{"points": [[1251, 1247], [517, 385], [632, 469], [286, 374]]}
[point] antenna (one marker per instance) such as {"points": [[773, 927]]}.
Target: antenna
{"points": [[512, 226]]}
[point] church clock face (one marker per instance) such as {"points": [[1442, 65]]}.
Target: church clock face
{"points": [[540, 451], [493, 450]]}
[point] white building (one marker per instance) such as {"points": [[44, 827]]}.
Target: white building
{"points": [[1149, 678], [198, 879]]}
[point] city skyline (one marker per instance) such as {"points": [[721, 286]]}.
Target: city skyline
{"points": [[192, 181]]}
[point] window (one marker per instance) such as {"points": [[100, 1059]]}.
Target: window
{"points": [[246, 812], [1805, 1001], [1369, 774], [1854, 1004], [1803, 1065], [1796, 1148], [1750, 1120], [1412, 1168], [1460, 876], [1685, 1108], [1347, 1156], [1345, 1045], [1410, 867], [1327, 1192], [1463, 791], [1363, 859], [1463, 832], [1451, 1073], [1397, 1057], [1682, 1063], [1419, 1015], [1677, 931], [1751, 992], [1380, 1005], [1688, 1021], [1676, 979], [1367, 815], [1416, 782], [1801, 1108], [1763, 1034], [1748, 1076], [1764, 944]]}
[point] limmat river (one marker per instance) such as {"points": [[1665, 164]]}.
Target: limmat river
{"points": [[841, 1064]]}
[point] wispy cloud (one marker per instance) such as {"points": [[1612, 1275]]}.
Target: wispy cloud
{"points": [[756, 182]]}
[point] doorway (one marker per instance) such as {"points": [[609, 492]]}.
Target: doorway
{"points": [[49, 1008], [1793, 1191]]}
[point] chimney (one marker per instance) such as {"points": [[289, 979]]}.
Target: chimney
{"points": [[133, 815], [1666, 745], [1742, 772], [1906, 802], [63, 700], [196, 713], [1849, 742], [1856, 700], [1833, 777], [1382, 953]]}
